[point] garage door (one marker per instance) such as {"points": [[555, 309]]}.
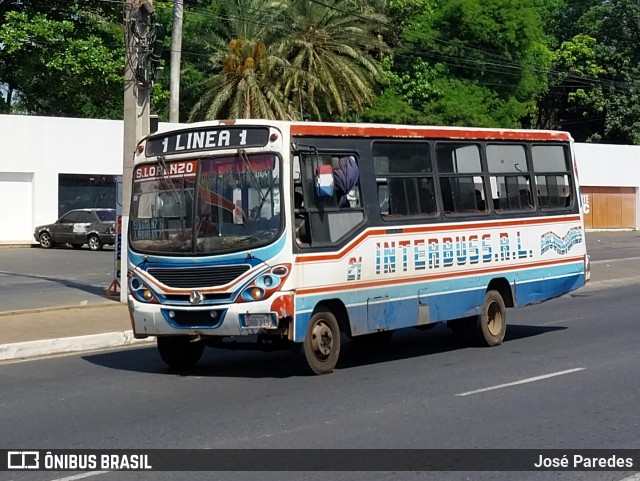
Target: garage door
{"points": [[16, 207], [609, 207]]}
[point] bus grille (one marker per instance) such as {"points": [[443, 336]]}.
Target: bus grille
{"points": [[198, 277]]}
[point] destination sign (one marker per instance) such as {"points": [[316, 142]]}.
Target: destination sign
{"points": [[210, 138]]}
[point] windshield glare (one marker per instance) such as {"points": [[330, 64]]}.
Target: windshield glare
{"points": [[235, 205]]}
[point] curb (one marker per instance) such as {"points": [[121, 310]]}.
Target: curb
{"points": [[66, 345], [38, 310]]}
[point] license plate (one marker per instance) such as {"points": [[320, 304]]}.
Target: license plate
{"points": [[258, 320]]}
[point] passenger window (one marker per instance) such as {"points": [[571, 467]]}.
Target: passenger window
{"points": [[461, 180], [553, 176], [509, 178], [404, 177], [326, 220]]}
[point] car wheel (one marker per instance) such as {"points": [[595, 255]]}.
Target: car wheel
{"points": [[95, 244], [46, 241]]}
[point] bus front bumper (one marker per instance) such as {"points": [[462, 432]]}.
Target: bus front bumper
{"points": [[212, 320]]}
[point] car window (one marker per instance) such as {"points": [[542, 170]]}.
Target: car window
{"points": [[69, 217], [86, 217], [106, 215]]}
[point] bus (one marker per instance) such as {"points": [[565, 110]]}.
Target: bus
{"points": [[297, 233]]}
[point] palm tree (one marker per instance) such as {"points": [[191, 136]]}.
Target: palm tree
{"points": [[332, 47], [279, 58], [244, 86]]}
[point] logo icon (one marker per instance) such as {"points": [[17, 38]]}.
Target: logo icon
{"points": [[196, 297], [23, 460]]}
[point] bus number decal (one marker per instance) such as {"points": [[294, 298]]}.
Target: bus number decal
{"points": [[354, 269]]}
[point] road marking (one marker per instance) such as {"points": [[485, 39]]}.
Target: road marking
{"points": [[523, 381], [621, 259], [635, 477], [81, 476]]}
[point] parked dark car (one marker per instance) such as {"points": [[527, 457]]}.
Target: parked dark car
{"points": [[95, 227]]}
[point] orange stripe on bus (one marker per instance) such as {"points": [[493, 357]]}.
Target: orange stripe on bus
{"points": [[390, 132], [431, 277]]}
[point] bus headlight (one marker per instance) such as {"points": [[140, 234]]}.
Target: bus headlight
{"points": [[253, 294], [140, 291], [265, 284], [267, 281]]}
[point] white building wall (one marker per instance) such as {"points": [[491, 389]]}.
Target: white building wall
{"points": [[41, 148], [606, 165], [34, 150]]}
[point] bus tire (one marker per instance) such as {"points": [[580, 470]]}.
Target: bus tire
{"points": [[180, 351], [321, 344], [492, 322]]}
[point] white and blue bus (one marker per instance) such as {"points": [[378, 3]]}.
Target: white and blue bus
{"points": [[297, 232]]}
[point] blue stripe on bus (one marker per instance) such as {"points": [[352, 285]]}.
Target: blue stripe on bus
{"points": [[395, 307], [258, 255]]}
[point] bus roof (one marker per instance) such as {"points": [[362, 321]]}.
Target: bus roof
{"points": [[334, 129]]}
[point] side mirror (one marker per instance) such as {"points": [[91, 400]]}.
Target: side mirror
{"points": [[296, 169], [324, 181]]}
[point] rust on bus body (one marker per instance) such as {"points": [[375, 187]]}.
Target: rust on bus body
{"points": [[341, 130]]}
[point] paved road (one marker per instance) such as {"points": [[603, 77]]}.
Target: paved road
{"points": [[32, 278], [37, 278], [611, 245], [420, 391], [566, 378]]}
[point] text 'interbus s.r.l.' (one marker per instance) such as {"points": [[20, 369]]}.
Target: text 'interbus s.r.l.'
{"points": [[292, 233]]}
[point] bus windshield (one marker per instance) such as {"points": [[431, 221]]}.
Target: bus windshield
{"points": [[206, 206]]}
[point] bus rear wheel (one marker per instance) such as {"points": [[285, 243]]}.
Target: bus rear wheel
{"points": [[491, 324], [180, 352], [321, 344]]}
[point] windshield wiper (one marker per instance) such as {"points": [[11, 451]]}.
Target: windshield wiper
{"points": [[256, 185], [167, 179]]}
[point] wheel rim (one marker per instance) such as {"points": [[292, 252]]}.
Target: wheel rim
{"points": [[45, 240], [93, 242], [494, 319], [322, 340]]}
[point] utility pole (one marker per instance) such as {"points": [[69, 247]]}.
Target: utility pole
{"points": [[137, 37], [176, 53]]}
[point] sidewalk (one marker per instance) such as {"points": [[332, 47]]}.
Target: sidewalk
{"points": [[43, 332]]}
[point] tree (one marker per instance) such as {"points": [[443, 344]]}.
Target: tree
{"points": [[332, 48], [290, 59], [247, 68], [61, 58], [487, 60], [594, 80]]}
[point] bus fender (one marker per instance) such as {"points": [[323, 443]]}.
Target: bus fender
{"points": [[283, 305]]}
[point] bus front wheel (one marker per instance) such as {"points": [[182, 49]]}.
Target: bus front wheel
{"points": [[321, 344], [492, 322], [180, 352]]}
